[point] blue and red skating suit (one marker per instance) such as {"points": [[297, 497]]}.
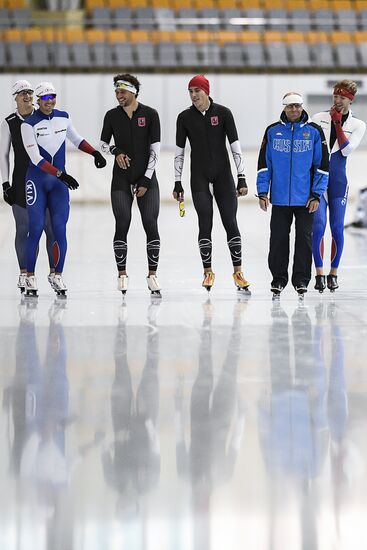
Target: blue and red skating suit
{"points": [[44, 139], [337, 191]]}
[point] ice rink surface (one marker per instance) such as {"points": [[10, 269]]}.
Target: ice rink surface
{"points": [[198, 422]]}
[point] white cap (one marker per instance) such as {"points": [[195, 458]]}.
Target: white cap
{"points": [[44, 88], [292, 98], [21, 85]]}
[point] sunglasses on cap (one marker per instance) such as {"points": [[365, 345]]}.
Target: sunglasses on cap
{"points": [[47, 97]]}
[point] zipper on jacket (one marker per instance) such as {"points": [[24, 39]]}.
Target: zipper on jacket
{"points": [[290, 170]]}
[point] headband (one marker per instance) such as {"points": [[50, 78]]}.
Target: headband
{"points": [[125, 85], [344, 93], [293, 98]]}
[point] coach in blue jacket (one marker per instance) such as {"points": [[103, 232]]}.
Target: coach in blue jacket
{"points": [[292, 174]]}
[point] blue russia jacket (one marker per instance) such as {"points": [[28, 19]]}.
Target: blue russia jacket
{"points": [[293, 162]]}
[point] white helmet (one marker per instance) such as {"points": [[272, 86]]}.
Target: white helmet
{"points": [[21, 85], [44, 88]]}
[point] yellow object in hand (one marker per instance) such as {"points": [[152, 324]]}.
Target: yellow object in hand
{"points": [[182, 210]]}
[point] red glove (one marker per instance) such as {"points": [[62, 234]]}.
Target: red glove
{"points": [[336, 116]]}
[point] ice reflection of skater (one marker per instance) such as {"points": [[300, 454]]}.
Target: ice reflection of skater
{"points": [[131, 464], [216, 429], [293, 422]]}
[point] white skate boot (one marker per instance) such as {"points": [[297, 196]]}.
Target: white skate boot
{"points": [[50, 278], [154, 286], [21, 282], [58, 285], [31, 286], [122, 283]]}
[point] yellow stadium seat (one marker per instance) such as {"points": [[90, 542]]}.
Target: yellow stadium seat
{"points": [[49, 34], [320, 4], [117, 35], [139, 35], [161, 36], [204, 36], [297, 4], [294, 36], [340, 36], [182, 36], [274, 4], [204, 4], [74, 34], [161, 3], [342, 5], [90, 4], [138, 4], [249, 4], [249, 36], [227, 4], [33, 34], [316, 36], [14, 4], [95, 35], [360, 36], [273, 36], [224, 37], [178, 4], [360, 4], [112, 4], [13, 35]]}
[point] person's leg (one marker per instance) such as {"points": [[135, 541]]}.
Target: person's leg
{"points": [[59, 207], [121, 201], [203, 204], [50, 241], [278, 259], [226, 199], [337, 208], [21, 231], [302, 260], [319, 225], [149, 211], [36, 209]]}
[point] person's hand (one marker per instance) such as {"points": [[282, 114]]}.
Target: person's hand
{"points": [[313, 203], [99, 160], [8, 193], [142, 186], [242, 189], [69, 181], [178, 192], [336, 116], [263, 202]]}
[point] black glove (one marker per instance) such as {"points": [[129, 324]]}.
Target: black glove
{"points": [[143, 182], [178, 189], [241, 182], [99, 160], [8, 193], [115, 151], [68, 180]]}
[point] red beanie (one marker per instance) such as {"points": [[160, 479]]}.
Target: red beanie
{"points": [[199, 81]]}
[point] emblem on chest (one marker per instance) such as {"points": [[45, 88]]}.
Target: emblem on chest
{"points": [[141, 121], [214, 120]]}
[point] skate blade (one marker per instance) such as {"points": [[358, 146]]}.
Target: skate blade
{"points": [[61, 293], [31, 294], [208, 288], [156, 293], [244, 290], [276, 296]]}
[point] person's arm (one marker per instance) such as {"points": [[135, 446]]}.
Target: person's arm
{"points": [[155, 146], [5, 142], [181, 135], [83, 145], [240, 166], [122, 159], [320, 169], [32, 149], [264, 170], [347, 145]]}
